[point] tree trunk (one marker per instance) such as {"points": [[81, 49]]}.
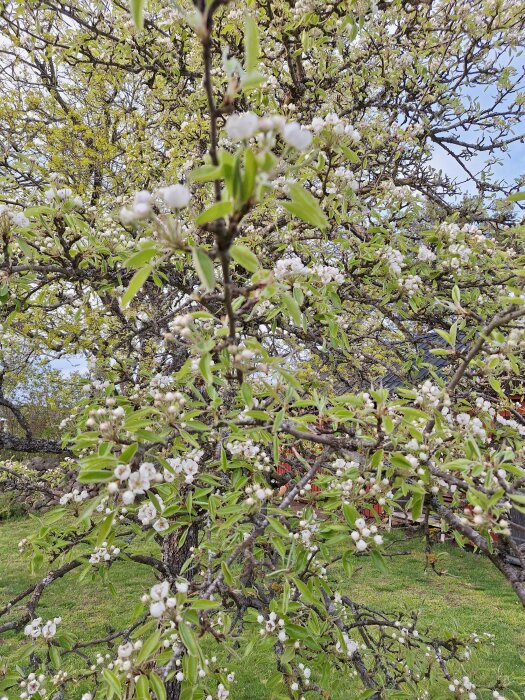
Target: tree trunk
{"points": [[174, 557]]}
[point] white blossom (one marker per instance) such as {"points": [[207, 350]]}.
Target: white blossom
{"points": [[176, 196], [296, 136], [241, 127]]}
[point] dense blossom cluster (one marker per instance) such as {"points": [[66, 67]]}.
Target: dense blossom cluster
{"points": [[46, 630]]}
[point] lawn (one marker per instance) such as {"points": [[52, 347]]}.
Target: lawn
{"points": [[469, 595]]}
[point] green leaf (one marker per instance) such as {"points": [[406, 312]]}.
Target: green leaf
{"points": [[305, 207], [127, 454], [54, 656], [141, 257], [91, 476], [188, 639], [278, 527], [351, 514], [351, 155], [293, 308], [206, 173], [251, 45], [149, 647], [105, 527], [204, 604], [252, 80], [250, 171], [516, 197], [204, 268], [216, 211], [417, 505], [227, 573], [137, 12], [142, 689], [205, 368], [113, 681], [244, 256], [306, 593], [157, 686], [135, 285]]}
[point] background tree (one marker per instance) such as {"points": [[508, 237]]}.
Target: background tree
{"points": [[254, 309]]}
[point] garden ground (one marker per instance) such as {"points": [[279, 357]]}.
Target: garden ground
{"points": [[469, 595]]}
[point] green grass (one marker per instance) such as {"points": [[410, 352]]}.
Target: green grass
{"points": [[470, 596]]}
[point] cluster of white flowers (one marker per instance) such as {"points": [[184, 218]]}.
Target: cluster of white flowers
{"points": [[36, 629], [368, 404], [123, 661], [345, 485], [303, 7], [241, 127], [297, 137], [348, 176], [271, 624], [160, 598], [328, 273], [138, 482], [460, 254], [463, 688], [485, 406], [511, 423], [22, 544], [172, 401], [160, 381], [452, 230], [306, 673], [429, 395], [288, 267], [17, 217], [361, 536], [175, 197], [257, 493], [32, 686], [337, 124], [147, 513], [351, 646], [394, 259], [106, 419], [404, 633], [342, 466], [400, 194], [241, 356], [187, 466], [222, 693], [308, 528], [251, 452], [104, 553], [425, 254], [472, 424], [294, 267], [182, 325], [75, 495], [62, 194], [411, 284]]}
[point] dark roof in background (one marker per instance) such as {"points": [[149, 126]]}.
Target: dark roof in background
{"points": [[424, 362], [421, 347]]}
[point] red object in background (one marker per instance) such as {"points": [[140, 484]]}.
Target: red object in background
{"points": [[367, 513], [285, 468]]}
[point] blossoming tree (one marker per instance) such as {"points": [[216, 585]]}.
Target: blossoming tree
{"points": [[233, 211]]}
